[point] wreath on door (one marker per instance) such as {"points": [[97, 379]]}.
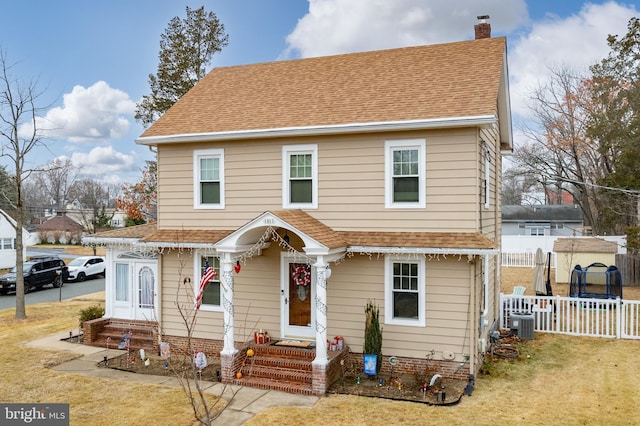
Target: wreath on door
{"points": [[302, 278]]}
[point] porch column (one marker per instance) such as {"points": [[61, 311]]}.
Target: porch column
{"points": [[226, 267], [321, 313]]}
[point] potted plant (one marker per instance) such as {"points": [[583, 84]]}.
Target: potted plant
{"points": [[372, 340]]}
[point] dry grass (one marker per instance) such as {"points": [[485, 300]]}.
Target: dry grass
{"points": [[559, 380], [26, 378]]}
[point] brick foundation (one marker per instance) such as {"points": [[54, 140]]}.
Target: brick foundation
{"points": [[415, 366]]}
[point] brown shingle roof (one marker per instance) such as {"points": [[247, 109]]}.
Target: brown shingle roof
{"points": [[185, 236], [413, 83], [440, 240], [60, 223], [584, 245], [134, 232], [315, 229], [312, 227]]}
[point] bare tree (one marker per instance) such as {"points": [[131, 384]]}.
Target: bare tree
{"points": [[35, 198], [93, 199], [185, 367], [57, 178], [560, 155], [19, 135]]}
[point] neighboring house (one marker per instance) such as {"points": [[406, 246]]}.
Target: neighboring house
{"points": [[119, 219], [542, 220], [61, 229], [379, 169], [8, 241]]}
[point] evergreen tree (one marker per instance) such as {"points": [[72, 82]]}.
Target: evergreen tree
{"points": [[186, 48], [373, 332]]}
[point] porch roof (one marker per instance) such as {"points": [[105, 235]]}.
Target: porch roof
{"points": [[440, 240], [300, 221]]}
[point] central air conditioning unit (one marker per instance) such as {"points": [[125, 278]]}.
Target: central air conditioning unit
{"points": [[523, 323]]}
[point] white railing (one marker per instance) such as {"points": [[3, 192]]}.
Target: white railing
{"points": [[523, 259], [612, 318]]}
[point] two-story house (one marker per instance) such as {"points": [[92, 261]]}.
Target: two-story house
{"points": [[313, 186]]}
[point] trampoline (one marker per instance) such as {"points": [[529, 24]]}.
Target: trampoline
{"points": [[597, 281]]}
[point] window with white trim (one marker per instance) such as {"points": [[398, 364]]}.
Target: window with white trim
{"points": [[404, 291], [122, 282], [536, 231], [487, 175], [300, 176], [212, 297], [208, 179], [405, 173]]}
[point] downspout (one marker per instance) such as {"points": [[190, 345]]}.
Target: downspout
{"points": [[485, 283], [472, 323]]}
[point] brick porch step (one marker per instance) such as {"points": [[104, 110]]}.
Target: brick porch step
{"points": [[279, 368], [141, 337], [270, 384]]}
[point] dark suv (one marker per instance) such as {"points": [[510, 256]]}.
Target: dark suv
{"points": [[38, 272]]}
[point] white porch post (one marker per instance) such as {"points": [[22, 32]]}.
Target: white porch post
{"points": [[321, 313], [226, 267]]}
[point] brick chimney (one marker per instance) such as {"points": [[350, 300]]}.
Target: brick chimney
{"points": [[483, 28]]}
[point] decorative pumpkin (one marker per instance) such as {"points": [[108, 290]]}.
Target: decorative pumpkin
{"points": [[250, 352], [239, 375]]}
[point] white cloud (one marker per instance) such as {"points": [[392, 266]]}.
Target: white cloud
{"points": [[97, 113], [343, 26], [103, 161], [575, 42]]}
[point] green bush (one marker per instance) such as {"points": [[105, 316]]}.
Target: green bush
{"points": [[373, 333], [92, 312]]}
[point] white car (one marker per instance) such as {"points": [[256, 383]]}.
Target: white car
{"points": [[84, 267]]}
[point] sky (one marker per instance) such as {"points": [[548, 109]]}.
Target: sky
{"points": [[92, 59]]}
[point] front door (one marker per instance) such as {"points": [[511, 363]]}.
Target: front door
{"points": [[298, 292]]}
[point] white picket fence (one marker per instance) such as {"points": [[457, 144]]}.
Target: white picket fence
{"points": [[523, 259], [613, 318]]}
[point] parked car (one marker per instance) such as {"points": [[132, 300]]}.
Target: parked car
{"points": [[85, 267], [37, 272]]}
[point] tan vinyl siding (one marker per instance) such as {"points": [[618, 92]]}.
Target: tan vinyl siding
{"points": [[351, 182], [360, 279], [256, 298], [354, 282], [174, 270], [488, 216]]}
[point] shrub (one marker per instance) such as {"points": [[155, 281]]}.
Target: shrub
{"points": [[92, 312], [373, 333]]}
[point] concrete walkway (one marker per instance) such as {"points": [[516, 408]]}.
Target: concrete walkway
{"points": [[246, 403]]}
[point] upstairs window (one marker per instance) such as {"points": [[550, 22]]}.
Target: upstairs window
{"points": [[405, 173], [300, 176], [487, 176], [208, 179]]}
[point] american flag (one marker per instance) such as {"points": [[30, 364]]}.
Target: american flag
{"points": [[207, 275]]}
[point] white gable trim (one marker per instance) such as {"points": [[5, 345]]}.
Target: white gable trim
{"points": [[251, 232], [383, 126]]}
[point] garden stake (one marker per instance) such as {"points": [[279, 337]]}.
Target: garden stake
{"points": [[106, 358]]}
